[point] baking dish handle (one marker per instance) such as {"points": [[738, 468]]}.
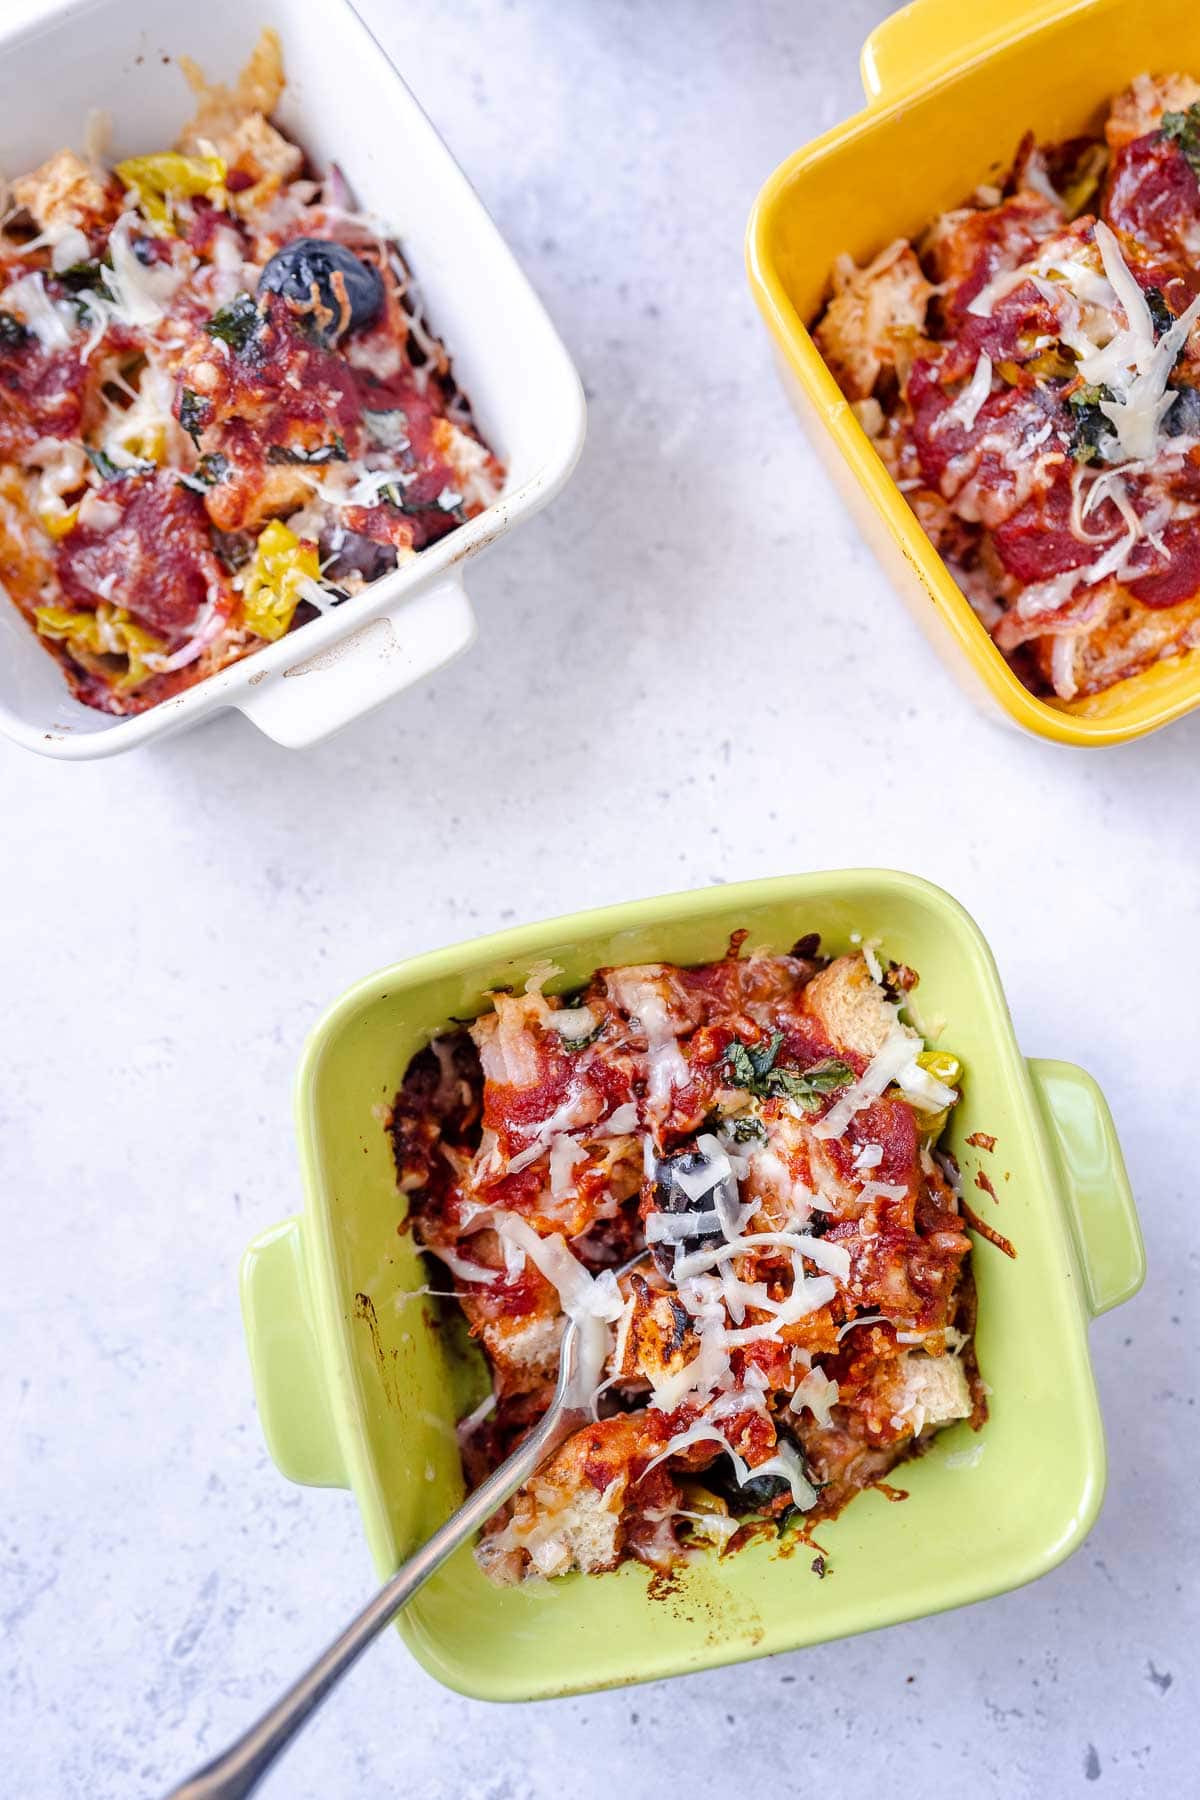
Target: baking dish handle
{"points": [[927, 39], [290, 1385], [1104, 1221], [419, 632]]}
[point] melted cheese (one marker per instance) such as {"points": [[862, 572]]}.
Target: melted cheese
{"points": [[1132, 364], [786, 1461], [898, 1050], [51, 322], [964, 412], [140, 293], [833, 1258], [583, 1296], [816, 1392]]}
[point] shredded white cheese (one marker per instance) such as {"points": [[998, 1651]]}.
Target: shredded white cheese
{"points": [[966, 408]]}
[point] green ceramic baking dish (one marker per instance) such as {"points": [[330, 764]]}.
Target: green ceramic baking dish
{"points": [[359, 1385]]}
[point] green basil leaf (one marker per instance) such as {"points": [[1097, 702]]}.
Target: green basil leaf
{"points": [[1183, 128]]}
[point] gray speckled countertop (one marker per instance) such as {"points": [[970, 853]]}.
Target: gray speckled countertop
{"points": [[727, 688]]}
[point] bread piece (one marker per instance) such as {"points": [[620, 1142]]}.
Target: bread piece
{"points": [[852, 1008], [873, 319]]}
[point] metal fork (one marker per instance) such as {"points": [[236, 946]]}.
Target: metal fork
{"points": [[238, 1770]]}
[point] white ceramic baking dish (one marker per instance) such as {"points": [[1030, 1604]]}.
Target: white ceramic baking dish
{"points": [[345, 103]]}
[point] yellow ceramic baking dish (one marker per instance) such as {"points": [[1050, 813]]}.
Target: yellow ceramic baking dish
{"points": [[950, 89]]}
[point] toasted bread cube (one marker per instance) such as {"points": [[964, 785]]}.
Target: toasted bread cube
{"points": [[852, 1008], [523, 1350], [661, 1336], [254, 147], [64, 191], [874, 317], [1141, 107], [935, 1391]]}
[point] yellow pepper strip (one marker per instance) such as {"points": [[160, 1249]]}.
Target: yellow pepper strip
{"points": [[57, 524], [948, 1070], [271, 586], [1052, 363], [710, 1518], [148, 444], [157, 181], [1081, 191], [942, 1066], [109, 631]]}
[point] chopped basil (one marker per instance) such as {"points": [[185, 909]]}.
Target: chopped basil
{"points": [[809, 1086], [13, 335], [1091, 425], [83, 280], [194, 410], [105, 465], [754, 1068], [1160, 313], [212, 467], [748, 1068], [108, 470], [237, 324], [324, 453], [581, 1043], [1183, 128], [387, 429], [748, 1130], [83, 276]]}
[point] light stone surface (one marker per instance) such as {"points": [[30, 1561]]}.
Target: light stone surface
{"points": [[689, 671]]}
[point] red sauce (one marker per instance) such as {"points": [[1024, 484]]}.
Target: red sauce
{"points": [[991, 241], [517, 1193], [208, 219], [430, 489], [806, 1042], [513, 1297], [983, 1183], [515, 1113], [383, 524], [1009, 334], [283, 387], [891, 1124], [986, 1231]]}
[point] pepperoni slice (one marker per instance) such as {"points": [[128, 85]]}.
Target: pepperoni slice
{"points": [[1178, 577], [1152, 195], [154, 559]]}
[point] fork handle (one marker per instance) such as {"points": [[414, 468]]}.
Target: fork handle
{"points": [[238, 1770]]}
